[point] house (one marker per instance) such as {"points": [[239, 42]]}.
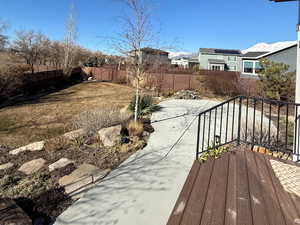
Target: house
{"points": [[185, 62], [286, 55], [220, 59], [152, 56]]}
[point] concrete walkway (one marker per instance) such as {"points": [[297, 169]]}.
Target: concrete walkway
{"points": [[144, 189]]}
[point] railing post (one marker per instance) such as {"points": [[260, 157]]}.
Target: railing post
{"points": [[239, 121], [198, 137]]}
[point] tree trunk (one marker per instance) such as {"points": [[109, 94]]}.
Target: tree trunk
{"points": [[136, 102]]}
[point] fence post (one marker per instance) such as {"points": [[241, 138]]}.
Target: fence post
{"points": [[198, 138], [174, 82], [239, 121]]}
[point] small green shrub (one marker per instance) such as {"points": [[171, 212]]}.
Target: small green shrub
{"points": [[146, 105], [214, 153], [12, 186]]}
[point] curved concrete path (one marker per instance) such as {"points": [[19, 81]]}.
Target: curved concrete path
{"points": [[144, 189]]}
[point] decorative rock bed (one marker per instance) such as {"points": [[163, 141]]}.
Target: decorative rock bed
{"points": [[58, 173], [186, 94]]}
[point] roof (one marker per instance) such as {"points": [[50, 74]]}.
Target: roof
{"points": [[216, 61], [253, 54], [259, 56], [220, 51]]}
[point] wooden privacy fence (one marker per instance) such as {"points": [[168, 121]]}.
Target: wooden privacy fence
{"points": [[163, 81]]}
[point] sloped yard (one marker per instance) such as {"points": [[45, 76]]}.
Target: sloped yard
{"points": [[51, 115]]}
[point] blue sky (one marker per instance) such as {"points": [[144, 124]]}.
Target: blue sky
{"points": [[188, 24]]}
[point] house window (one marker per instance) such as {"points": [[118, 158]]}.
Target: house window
{"points": [[248, 67], [231, 58], [258, 68], [232, 68], [216, 67]]}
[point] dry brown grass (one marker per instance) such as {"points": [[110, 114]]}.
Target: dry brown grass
{"points": [[92, 121], [51, 115], [135, 128], [57, 144]]}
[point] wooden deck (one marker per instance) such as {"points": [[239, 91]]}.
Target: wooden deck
{"points": [[241, 188]]}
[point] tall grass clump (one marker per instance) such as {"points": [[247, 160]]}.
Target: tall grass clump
{"points": [[92, 121]]}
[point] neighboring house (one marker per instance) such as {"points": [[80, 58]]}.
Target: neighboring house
{"points": [[251, 65], [152, 56], [220, 59], [185, 62]]}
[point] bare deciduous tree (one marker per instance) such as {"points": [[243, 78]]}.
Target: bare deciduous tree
{"points": [[56, 54], [30, 46], [3, 37], [69, 41], [137, 33]]}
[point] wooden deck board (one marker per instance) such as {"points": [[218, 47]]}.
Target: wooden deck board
{"points": [[255, 189], [198, 196], [240, 188], [231, 210], [244, 213], [184, 196]]}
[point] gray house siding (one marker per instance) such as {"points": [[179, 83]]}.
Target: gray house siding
{"points": [[288, 56], [233, 65]]}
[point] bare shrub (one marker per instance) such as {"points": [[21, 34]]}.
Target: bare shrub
{"points": [[257, 135], [247, 86], [135, 128], [92, 121], [222, 84], [11, 78]]}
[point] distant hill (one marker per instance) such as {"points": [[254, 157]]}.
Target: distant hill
{"points": [[175, 55]]}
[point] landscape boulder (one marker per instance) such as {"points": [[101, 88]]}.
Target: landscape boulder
{"points": [[109, 135], [81, 177], [36, 146], [6, 166], [60, 164], [12, 214], [72, 135], [32, 166]]}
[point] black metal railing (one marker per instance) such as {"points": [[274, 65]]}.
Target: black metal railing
{"points": [[253, 121]]}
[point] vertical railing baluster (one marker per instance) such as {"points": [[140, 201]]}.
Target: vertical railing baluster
{"points": [[198, 136], [209, 124], [270, 119], [254, 120], [286, 127], [233, 115], [261, 122], [278, 126], [239, 121], [203, 136], [215, 126], [226, 133], [221, 124], [246, 128]]}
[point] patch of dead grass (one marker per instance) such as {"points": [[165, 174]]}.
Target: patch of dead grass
{"points": [[51, 115]]}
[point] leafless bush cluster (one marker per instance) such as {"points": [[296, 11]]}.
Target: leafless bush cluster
{"points": [[93, 121], [257, 135], [231, 85], [11, 77]]}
